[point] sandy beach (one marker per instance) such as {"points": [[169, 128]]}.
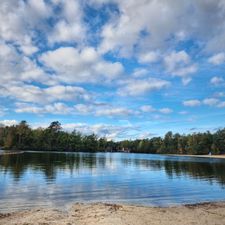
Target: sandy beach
{"points": [[11, 152], [110, 214]]}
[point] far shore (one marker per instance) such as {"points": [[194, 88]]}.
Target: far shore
{"points": [[200, 156], [113, 214], [14, 152]]}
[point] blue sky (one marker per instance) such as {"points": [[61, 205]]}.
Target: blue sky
{"points": [[121, 69]]}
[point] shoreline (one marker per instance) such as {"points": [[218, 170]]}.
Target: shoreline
{"points": [[11, 153], [120, 214], [7, 152], [200, 156]]}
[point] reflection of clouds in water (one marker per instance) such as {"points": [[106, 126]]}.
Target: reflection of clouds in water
{"points": [[42, 179]]}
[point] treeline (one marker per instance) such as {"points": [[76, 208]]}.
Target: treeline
{"points": [[193, 144], [53, 138]]}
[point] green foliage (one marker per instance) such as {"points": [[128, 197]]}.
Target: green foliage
{"points": [[53, 138]]}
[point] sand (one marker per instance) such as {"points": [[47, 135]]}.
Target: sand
{"points": [[111, 214], [10, 153]]}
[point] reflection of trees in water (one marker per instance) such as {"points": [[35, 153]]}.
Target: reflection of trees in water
{"points": [[146, 163], [51, 163], [198, 170], [13, 164], [48, 163]]}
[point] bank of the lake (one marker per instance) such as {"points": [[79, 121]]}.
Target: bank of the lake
{"points": [[110, 214], [11, 152], [200, 156]]}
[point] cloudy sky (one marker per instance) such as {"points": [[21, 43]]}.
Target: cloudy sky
{"points": [[121, 69]]}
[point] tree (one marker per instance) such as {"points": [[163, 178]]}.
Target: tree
{"points": [[23, 135], [55, 126], [102, 144]]}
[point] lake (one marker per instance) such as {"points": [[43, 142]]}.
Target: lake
{"points": [[38, 179]]}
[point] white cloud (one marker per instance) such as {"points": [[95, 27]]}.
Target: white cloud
{"points": [[192, 103], [18, 20], [8, 122], [165, 23], [70, 27], [28, 48], [28, 93], [80, 66], [67, 93], [140, 72], [150, 109], [221, 105], [179, 64], [84, 109], [103, 110], [210, 101], [15, 67], [144, 28], [217, 81], [176, 58], [35, 94], [219, 94], [58, 108], [65, 32], [134, 87], [27, 17], [207, 101], [217, 59], [100, 110], [166, 110], [26, 108], [117, 111], [149, 57], [124, 33], [20, 27], [147, 108], [183, 112], [38, 8], [55, 108]]}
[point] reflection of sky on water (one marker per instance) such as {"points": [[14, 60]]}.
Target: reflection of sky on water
{"points": [[43, 179]]}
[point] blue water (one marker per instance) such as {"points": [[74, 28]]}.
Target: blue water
{"points": [[60, 179]]}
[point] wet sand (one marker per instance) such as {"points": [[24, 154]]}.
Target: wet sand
{"points": [[11, 153], [112, 214]]}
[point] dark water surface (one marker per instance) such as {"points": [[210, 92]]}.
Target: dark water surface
{"points": [[59, 179]]}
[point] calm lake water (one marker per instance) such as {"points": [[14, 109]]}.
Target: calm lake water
{"points": [[59, 179]]}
